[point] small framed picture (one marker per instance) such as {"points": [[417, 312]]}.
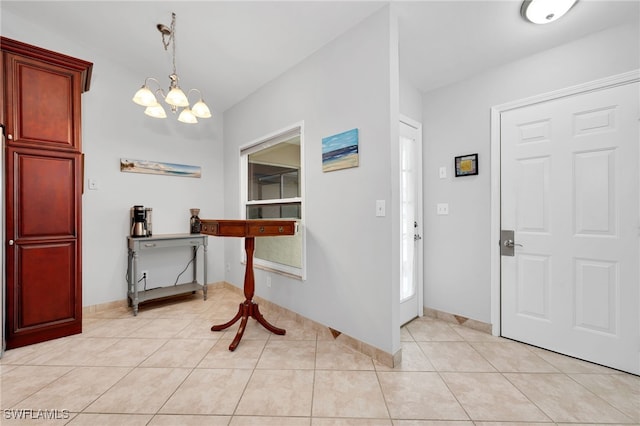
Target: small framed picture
{"points": [[466, 165]]}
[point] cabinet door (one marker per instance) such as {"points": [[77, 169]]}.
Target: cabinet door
{"points": [[43, 102], [44, 294]]}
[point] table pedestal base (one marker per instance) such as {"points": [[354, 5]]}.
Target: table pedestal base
{"points": [[247, 309], [249, 229]]}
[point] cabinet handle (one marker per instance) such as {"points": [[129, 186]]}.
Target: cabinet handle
{"points": [[150, 245]]}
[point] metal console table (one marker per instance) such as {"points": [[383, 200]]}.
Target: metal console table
{"points": [[143, 244]]}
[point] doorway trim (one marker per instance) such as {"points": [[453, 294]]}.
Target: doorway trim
{"points": [[419, 214], [496, 111]]}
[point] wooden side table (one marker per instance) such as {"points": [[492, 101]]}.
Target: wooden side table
{"points": [[249, 230]]}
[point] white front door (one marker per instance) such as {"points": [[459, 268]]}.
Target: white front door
{"points": [[570, 193], [411, 218]]}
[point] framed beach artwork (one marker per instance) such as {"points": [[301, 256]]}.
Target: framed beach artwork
{"points": [[159, 168], [340, 151]]}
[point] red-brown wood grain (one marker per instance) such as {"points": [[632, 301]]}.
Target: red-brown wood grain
{"points": [[43, 162]]}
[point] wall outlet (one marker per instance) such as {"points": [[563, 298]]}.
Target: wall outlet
{"points": [[144, 274], [93, 184], [228, 267], [268, 280], [443, 209]]}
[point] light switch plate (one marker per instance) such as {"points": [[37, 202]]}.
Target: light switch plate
{"points": [[380, 208], [443, 209], [93, 184], [442, 172]]}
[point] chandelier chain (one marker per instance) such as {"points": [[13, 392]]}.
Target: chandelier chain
{"points": [[171, 40]]}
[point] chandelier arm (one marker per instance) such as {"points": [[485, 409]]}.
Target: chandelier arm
{"points": [[151, 79], [159, 90], [195, 90]]}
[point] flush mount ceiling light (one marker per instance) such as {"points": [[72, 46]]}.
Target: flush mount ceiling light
{"points": [[175, 98], [545, 11]]}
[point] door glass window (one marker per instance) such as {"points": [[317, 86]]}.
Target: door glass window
{"points": [[408, 207]]}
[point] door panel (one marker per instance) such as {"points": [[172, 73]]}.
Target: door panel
{"points": [[569, 178], [594, 193], [44, 294], [47, 295], [47, 199], [45, 102]]}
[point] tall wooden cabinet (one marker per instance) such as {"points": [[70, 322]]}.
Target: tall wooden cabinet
{"points": [[43, 169]]}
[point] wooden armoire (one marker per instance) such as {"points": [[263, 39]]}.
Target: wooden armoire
{"points": [[43, 185]]}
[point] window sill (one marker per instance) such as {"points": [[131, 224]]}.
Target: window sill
{"points": [[295, 275]]}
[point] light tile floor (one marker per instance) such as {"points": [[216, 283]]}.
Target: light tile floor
{"points": [[165, 367]]}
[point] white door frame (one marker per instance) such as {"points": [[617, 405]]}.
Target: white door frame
{"points": [[496, 111], [419, 214]]}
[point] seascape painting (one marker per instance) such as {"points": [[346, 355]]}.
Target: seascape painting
{"points": [[159, 168], [340, 151]]}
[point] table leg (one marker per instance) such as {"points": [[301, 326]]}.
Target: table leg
{"points": [[248, 308], [204, 271], [135, 283], [240, 333], [129, 278], [230, 323], [258, 316]]}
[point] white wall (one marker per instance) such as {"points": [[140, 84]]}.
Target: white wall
{"points": [[410, 100], [456, 121], [113, 127], [344, 85]]}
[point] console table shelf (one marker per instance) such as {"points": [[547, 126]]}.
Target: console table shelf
{"points": [[144, 244]]}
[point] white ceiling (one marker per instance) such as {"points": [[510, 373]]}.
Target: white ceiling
{"points": [[228, 49]]}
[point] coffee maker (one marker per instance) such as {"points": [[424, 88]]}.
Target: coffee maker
{"points": [[141, 221]]}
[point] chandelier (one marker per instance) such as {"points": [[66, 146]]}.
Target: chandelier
{"points": [[175, 98]]}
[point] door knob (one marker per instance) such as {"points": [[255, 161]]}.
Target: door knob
{"points": [[507, 243], [511, 243], [10, 242]]}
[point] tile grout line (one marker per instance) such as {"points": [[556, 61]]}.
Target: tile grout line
{"points": [[501, 373]]}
